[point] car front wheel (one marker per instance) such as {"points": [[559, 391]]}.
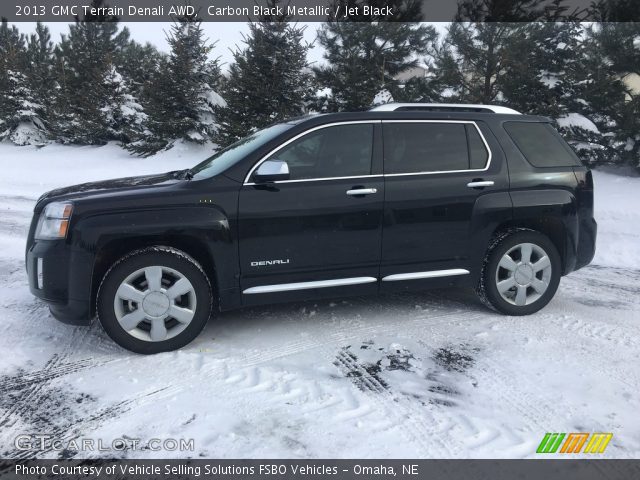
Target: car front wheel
{"points": [[521, 272], [154, 300]]}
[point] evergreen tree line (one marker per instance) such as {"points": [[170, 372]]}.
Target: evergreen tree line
{"points": [[98, 85]]}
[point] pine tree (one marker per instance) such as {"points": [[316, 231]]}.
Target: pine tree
{"points": [[611, 55], [536, 62], [504, 54], [40, 79], [470, 63], [123, 115], [12, 63], [364, 58], [22, 96], [23, 122], [180, 101], [615, 11], [512, 11], [139, 65], [84, 62], [268, 82]]}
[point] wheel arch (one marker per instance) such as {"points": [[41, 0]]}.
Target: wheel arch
{"points": [[552, 227], [115, 249]]}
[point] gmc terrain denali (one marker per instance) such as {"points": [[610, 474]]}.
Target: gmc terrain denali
{"points": [[400, 197]]}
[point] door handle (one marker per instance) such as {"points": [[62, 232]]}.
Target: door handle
{"points": [[480, 184], [362, 191]]}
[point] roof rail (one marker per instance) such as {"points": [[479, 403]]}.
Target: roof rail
{"points": [[443, 107]]}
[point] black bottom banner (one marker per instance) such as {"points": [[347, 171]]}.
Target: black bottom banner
{"points": [[321, 469]]}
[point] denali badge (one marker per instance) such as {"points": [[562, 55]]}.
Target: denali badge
{"points": [[262, 263]]}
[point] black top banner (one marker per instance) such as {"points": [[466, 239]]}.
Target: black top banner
{"points": [[321, 10]]}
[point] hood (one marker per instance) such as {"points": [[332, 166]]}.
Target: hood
{"points": [[118, 184]]}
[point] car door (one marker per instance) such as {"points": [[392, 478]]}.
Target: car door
{"points": [[435, 172], [321, 228]]}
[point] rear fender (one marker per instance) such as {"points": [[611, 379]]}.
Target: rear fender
{"points": [[553, 212]]}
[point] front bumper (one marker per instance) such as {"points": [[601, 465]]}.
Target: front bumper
{"points": [[61, 276]]}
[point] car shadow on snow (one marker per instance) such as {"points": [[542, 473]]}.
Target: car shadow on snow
{"points": [[396, 306]]}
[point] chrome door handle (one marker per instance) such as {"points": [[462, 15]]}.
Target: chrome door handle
{"points": [[481, 183], [362, 191]]}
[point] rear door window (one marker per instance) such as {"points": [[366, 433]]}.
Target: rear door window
{"points": [[541, 145], [423, 147]]}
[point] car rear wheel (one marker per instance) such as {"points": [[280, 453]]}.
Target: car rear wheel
{"points": [[154, 300], [521, 273]]}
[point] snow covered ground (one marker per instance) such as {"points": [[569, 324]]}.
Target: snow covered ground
{"points": [[418, 375]]}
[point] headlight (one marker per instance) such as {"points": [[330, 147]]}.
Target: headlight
{"points": [[54, 221]]}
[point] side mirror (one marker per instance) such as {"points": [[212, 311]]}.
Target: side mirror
{"points": [[271, 171]]}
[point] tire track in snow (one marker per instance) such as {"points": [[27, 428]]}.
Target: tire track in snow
{"points": [[29, 393], [535, 411], [54, 368], [627, 337], [328, 343], [417, 428], [504, 392], [408, 413], [631, 379], [74, 430], [30, 396]]}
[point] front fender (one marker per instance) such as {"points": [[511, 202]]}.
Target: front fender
{"points": [[205, 232]]}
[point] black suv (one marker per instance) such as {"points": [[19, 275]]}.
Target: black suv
{"points": [[405, 196]]}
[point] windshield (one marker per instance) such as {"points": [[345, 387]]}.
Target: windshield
{"points": [[229, 156]]}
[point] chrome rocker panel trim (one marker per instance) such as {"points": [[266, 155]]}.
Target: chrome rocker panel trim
{"points": [[341, 282], [287, 287], [428, 274]]}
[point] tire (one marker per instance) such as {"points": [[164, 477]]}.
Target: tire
{"points": [[512, 285], [153, 300]]}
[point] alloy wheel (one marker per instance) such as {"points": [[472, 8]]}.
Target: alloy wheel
{"points": [[155, 303], [523, 274]]}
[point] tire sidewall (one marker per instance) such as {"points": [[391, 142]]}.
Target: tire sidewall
{"points": [[496, 254], [144, 258]]}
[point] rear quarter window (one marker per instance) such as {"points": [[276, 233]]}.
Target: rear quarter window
{"points": [[478, 154], [541, 145]]}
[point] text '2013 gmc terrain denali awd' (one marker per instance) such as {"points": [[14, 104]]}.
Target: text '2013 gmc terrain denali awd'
{"points": [[403, 196]]}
